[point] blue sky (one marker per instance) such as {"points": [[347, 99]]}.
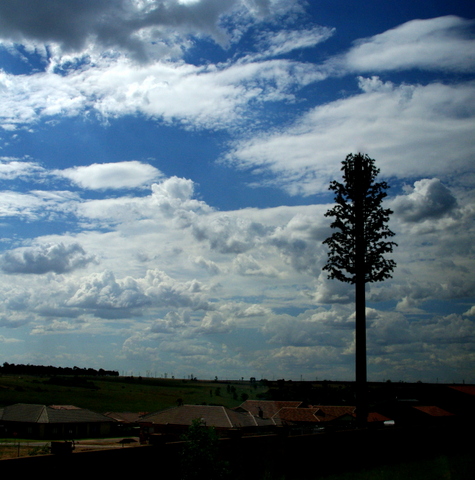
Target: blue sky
{"points": [[164, 172]]}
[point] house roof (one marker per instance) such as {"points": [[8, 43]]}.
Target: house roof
{"points": [[377, 417], [125, 417], [266, 408], [294, 412], [434, 411], [289, 414], [332, 412], [314, 414], [468, 389], [32, 413], [213, 416]]}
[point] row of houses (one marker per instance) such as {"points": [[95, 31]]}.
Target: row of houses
{"points": [[252, 417]]}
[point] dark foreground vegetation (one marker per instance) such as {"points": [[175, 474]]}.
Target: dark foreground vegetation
{"points": [[393, 454]]}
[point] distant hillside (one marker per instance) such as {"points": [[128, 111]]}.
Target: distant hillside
{"points": [[11, 368], [114, 393]]}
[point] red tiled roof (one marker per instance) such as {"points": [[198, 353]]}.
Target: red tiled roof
{"points": [[468, 389], [434, 411], [289, 414], [326, 413], [293, 412], [377, 417]]}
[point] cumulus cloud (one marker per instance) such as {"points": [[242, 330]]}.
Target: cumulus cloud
{"points": [[118, 175], [172, 199], [429, 198], [212, 323], [102, 292], [228, 233], [58, 258], [173, 321], [208, 265], [247, 265], [174, 194]]}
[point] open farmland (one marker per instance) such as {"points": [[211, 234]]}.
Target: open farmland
{"points": [[133, 394]]}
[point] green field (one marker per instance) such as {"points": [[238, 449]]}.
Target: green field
{"points": [[123, 394]]}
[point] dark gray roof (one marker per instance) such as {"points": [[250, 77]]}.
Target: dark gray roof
{"points": [[32, 413], [125, 417]]}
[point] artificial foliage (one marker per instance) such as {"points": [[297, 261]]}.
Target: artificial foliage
{"points": [[359, 220]]}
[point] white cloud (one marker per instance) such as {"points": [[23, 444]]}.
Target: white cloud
{"points": [[442, 43], [215, 96], [103, 294], [176, 195], [428, 199], [208, 265], [12, 168], [285, 41], [6, 340], [320, 329], [206, 97], [37, 204], [118, 175], [247, 265], [42, 259], [395, 125], [228, 233]]}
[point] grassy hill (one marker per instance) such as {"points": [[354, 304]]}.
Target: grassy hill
{"points": [[132, 394]]}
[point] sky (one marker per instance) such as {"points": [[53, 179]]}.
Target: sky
{"points": [[164, 174]]}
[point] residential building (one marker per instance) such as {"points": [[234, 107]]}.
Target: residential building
{"points": [[66, 422]]}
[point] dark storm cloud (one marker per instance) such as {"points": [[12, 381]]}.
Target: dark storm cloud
{"points": [[73, 24], [66, 22], [58, 258]]}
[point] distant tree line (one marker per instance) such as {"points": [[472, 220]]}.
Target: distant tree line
{"points": [[11, 368]]}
